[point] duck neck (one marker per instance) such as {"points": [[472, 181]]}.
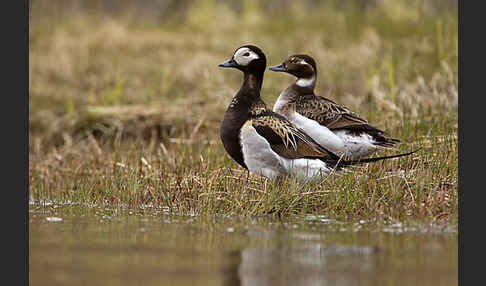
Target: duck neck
{"points": [[241, 108], [250, 90], [306, 83], [253, 81]]}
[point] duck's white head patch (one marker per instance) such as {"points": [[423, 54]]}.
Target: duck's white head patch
{"points": [[243, 56]]}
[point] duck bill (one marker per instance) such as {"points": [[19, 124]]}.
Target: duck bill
{"points": [[278, 68], [229, 64]]}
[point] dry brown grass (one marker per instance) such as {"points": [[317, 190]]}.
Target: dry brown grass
{"points": [[108, 93]]}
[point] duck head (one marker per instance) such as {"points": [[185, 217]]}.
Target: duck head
{"points": [[248, 59], [301, 66]]}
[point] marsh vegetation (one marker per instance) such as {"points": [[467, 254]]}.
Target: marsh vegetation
{"points": [[125, 102]]}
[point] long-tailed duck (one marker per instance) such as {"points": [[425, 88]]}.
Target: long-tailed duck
{"points": [[335, 126], [265, 142]]}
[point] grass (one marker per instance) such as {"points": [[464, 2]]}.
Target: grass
{"points": [[125, 110]]}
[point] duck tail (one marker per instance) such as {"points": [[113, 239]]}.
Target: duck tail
{"points": [[343, 163]]}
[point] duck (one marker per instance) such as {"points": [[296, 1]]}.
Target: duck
{"points": [[330, 124], [265, 142]]}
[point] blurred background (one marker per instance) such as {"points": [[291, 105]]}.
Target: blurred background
{"points": [[148, 69]]}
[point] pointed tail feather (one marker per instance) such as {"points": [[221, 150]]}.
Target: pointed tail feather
{"points": [[386, 141], [343, 163]]}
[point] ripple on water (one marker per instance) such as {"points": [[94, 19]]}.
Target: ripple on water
{"points": [[53, 219]]}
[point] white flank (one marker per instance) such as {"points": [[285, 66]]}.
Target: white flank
{"points": [[340, 142], [261, 159], [257, 154], [308, 169], [357, 146], [321, 134]]}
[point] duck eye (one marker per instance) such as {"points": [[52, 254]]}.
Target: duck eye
{"points": [[246, 54]]}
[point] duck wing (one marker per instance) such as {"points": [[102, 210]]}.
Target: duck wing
{"points": [[287, 140], [332, 115]]}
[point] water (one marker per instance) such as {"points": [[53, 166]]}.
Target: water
{"points": [[79, 245]]}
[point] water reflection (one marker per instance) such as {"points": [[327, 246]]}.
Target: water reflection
{"points": [[230, 272], [93, 247], [303, 263]]}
